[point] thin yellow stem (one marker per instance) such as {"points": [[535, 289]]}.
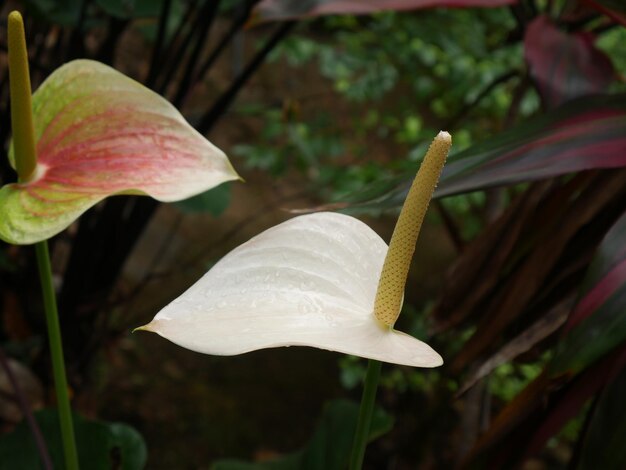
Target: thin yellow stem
{"points": [[402, 246]]}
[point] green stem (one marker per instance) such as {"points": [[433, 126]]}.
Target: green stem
{"points": [[56, 352], [25, 164], [368, 400]]}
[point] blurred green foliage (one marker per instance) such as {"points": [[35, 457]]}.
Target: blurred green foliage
{"points": [[101, 445], [329, 447], [214, 201], [407, 66], [401, 78], [613, 43], [509, 379]]}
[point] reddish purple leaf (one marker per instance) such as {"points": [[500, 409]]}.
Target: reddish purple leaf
{"points": [[598, 294], [586, 360], [565, 65], [588, 133], [598, 324], [606, 274], [276, 10]]}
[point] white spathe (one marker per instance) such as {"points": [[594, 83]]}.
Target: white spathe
{"points": [[310, 281]]}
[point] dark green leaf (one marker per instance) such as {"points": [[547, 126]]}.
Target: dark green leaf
{"points": [[62, 12], [603, 446], [330, 446], [101, 446]]}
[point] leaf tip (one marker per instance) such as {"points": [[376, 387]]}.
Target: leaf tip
{"points": [[148, 327], [232, 173]]}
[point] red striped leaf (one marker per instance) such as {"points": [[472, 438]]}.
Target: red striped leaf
{"points": [[588, 133], [278, 10], [585, 134], [573, 398], [598, 324], [565, 65], [522, 428]]}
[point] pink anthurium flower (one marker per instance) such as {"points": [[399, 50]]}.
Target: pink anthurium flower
{"points": [[99, 133], [324, 280]]}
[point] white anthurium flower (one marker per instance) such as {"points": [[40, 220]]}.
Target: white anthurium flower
{"points": [[324, 280]]}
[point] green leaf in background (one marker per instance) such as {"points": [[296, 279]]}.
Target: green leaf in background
{"points": [[603, 446], [101, 446], [214, 201], [329, 448], [62, 12]]}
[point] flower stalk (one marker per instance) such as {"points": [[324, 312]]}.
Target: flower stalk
{"points": [[368, 400], [56, 353], [25, 164], [390, 293]]}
